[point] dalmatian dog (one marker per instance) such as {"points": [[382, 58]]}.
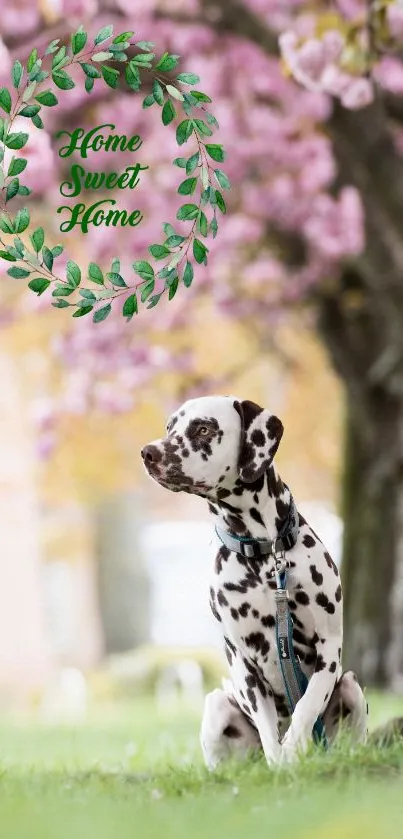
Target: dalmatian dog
{"points": [[222, 449]]}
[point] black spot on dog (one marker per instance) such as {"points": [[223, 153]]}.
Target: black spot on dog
{"points": [[323, 600], [232, 732], [310, 658], [331, 564], [308, 541], [255, 515], [338, 594], [234, 614], [320, 664], [269, 621], [332, 667], [257, 437], [302, 598], [244, 609], [221, 598], [258, 642], [213, 606], [221, 557], [252, 699], [255, 613], [317, 577]]}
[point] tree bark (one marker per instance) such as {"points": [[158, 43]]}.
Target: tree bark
{"points": [[372, 498]]}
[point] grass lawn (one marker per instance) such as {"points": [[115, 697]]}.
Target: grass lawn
{"points": [[135, 771]]}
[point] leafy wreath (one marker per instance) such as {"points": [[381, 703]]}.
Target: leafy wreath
{"points": [[39, 264]]}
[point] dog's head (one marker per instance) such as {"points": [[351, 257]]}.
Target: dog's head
{"points": [[212, 443]]}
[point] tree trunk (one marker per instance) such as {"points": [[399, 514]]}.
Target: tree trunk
{"points": [[372, 511]]}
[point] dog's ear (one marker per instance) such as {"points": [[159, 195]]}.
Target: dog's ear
{"points": [[261, 433]]}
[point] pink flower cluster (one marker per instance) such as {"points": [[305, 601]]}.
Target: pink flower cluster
{"points": [[316, 64]]}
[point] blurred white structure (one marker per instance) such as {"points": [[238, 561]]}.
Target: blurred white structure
{"points": [[179, 556]]}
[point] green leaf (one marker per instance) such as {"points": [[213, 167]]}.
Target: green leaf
{"points": [[184, 131], [6, 225], [16, 73], [102, 314], [38, 238], [124, 36], [187, 187], [101, 56], [111, 77], [29, 92], [78, 41], [53, 46], [90, 71], [29, 111], [168, 112], [154, 300], [103, 35], [73, 274], [158, 92], [211, 120], [167, 62], [130, 307], [181, 162], [143, 59], [32, 59], [222, 179], [192, 163], [57, 250], [37, 121], [147, 290], [63, 291], [214, 227], [116, 265], [62, 80], [17, 165], [145, 45], [83, 310], [143, 269], [173, 91], [132, 77], [5, 99], [18, 273], [47, 257], [173, 287], [201, 97], [21, 221], [95, 274], [199, 251], [89, 84], [39, 285], [220, 202], [47, 98], [187, 211], [174, 240], [116, 279], [61, 304], [148, 101], [188, 78], [58, 58], [158, 251], [204, 130], [215, 151], [88, 294], [23, 190], [8, 256], [12, 189], [202, 223]]}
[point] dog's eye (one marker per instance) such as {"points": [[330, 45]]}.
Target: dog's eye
{"points": [[203, 430]]}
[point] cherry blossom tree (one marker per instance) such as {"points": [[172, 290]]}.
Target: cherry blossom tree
{"points": [[309, 101]]}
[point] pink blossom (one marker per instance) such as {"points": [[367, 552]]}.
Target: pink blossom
{"points": [[19, 16], [394, 18], [359, 94]]}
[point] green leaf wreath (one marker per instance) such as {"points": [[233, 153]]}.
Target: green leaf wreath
{"points": [[172, 95]]}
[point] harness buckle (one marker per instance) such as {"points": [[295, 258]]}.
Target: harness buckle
{"points": [[249, 551]]}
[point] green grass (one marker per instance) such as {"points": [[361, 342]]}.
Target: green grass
{"points": [[136, 772]]}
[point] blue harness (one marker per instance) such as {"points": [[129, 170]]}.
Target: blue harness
{"points": [[294, 679]]}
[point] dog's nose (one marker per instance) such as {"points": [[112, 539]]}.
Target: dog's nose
{"points": [[150, 454]]}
